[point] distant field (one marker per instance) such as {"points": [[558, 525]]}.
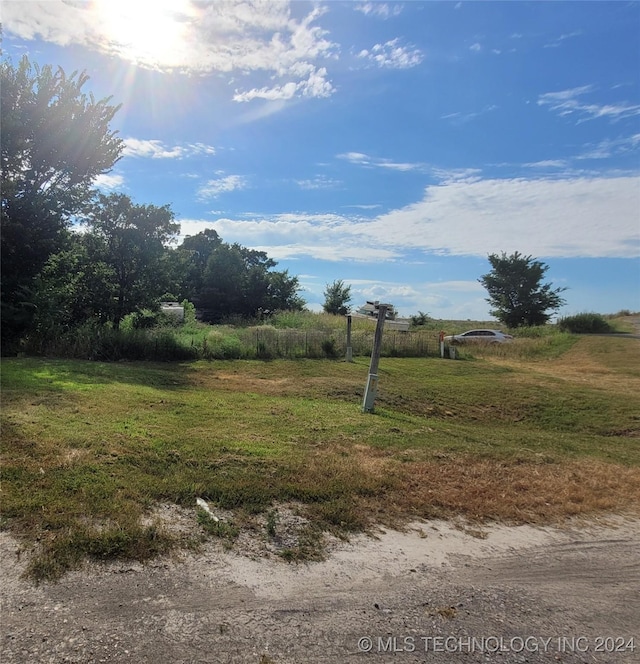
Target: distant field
{"points": [[534, 433]]}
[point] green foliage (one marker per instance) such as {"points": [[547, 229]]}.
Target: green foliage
{"points": [[119, 541], [272, 522], [225, 530], [585, 323], [220, 346], [516, 293], [336, 298], [131, 240], [189, 261], [420, 319], [305, 320], [329, 348], [55, 141], [73, 287], [146, 319], [189, 313], [93, 341], [226, 281]]}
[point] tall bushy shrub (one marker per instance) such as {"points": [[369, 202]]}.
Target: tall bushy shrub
{"points": [[585, 323]]}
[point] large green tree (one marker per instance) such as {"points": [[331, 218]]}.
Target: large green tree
{"points": [[74, 286], [237, 281], [55, 141], [516, 291], [132, 241], [189, 261], [336, 298]]}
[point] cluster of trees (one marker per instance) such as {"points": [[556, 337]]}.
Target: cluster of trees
{"points": [[71, 254], [55, 142], [230, 280]]}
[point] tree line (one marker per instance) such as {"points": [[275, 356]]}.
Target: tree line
{"points": [[71, 254]]}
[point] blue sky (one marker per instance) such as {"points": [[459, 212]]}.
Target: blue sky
{"points": [[393, 145]]}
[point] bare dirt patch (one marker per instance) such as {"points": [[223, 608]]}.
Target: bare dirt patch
{"points": [[396, 597]]}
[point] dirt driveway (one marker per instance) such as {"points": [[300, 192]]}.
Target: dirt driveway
{"points": [[434, 593]]}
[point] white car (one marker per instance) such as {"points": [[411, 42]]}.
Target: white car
{"points": [[479, 336]]}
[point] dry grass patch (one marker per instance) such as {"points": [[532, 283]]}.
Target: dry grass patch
{"points": [[606, 363], [517, 493]]}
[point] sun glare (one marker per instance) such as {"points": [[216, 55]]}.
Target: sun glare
{"points": [[148, 32]]}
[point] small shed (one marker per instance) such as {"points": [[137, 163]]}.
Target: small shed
{"points": [[173, 309]]}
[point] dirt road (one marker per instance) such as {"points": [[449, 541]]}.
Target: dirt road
{"points": [[434, 593]]}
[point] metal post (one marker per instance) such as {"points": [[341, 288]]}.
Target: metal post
{"points": [[349, 357], [372, 381]]}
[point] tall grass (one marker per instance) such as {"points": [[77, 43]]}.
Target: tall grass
{"points": [[288, 334], [224, 342]]}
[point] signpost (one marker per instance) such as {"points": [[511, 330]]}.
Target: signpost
{"points": [[372, 381], [349, 356]]}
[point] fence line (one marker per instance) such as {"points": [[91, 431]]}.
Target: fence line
{"points": [[233, 343]]}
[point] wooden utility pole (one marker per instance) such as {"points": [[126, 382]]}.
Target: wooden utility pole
{"points": [[371, 388], [349, 356]]}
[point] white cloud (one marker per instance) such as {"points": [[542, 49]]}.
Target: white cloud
{"points": [[460, 118], [356, 158], [319, 182], [381, 290], [573, 217], [568, 102], [382, 10], [547, 163], [321, 236], [476, 48], [213, 188], [558, 41], [447, 176], [544, 217], [316, 85], [392, 55], [108, 181], [361, 159], [329, 252], [155, 149], [459, 286], [397, 166], [609, 147], [254, 38]]}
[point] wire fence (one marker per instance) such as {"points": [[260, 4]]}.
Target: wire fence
{"points": [[262, 342]]}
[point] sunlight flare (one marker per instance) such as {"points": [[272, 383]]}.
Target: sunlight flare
{"points": [[153, 33]]}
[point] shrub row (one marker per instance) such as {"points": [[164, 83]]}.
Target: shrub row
{"points": [[585, 323], [103, 343]]}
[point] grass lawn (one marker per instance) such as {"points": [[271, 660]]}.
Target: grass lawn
{"points": [[89, 448]]}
